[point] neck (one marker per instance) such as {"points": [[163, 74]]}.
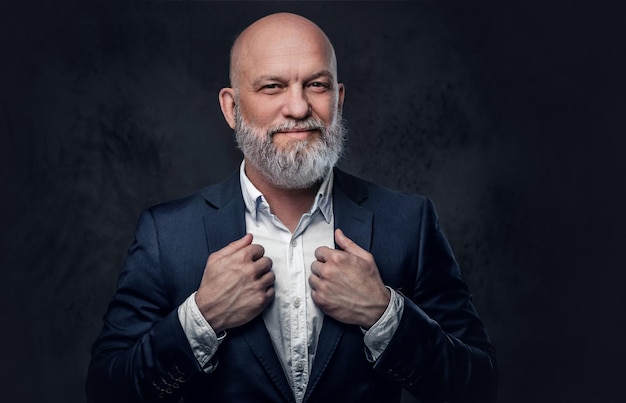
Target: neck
{"points": [[287, 204]]}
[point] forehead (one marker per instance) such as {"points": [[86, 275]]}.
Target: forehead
{"points": [[283, 50], [286, 61]]}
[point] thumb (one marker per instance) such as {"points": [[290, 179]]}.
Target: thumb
{"points": [[235, 246], [348, 245]]}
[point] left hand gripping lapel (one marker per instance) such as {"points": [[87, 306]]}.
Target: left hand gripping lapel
{"points": [[356, 222], [223, 226]]}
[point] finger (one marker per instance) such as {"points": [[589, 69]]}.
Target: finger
{"points": [[322, 253], [348, 245], [314, 282], [234, 246], [262, 266], [256, 251], [267, 280], [315, 268]]}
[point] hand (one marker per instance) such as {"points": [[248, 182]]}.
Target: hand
{"points": [[236, 285], [346, 283]]}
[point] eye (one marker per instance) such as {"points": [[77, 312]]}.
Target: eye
{"points": [[319, 86], [271, 88]]}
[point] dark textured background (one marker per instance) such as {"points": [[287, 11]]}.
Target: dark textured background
{"points": [[510, 117]]}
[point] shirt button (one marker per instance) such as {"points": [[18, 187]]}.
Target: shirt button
{"points": [[296, 302], [299, 366], [293, 243]]}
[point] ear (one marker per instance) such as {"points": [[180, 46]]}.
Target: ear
{"points": [[342, 95], [227, 103]]}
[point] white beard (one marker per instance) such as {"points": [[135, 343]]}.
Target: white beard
{"points": [[300, 164]]}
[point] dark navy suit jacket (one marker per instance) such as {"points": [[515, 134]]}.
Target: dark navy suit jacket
{"points": [[440, 351]]}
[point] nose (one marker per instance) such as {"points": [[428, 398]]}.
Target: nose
{"points": [[296, 104]]}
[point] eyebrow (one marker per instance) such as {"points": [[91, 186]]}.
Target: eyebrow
{"points": [[323, 73], [266, 78]]}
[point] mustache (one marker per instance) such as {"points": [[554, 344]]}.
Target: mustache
{"points": [[308, 124]]}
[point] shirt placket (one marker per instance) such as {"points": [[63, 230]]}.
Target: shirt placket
{"points": [[298, 322]]}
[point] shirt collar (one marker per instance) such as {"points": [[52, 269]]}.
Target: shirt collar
{"points": [[255, 202]]}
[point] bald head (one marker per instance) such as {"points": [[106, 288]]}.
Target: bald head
{"points": [[281, 33]]}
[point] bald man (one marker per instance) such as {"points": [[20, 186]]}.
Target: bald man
{"points": [[292, 281]]}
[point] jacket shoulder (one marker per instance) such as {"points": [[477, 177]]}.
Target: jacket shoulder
{"points": [[369, 193], [209, 198]]}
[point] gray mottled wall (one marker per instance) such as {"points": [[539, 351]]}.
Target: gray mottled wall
{"points": [[507, 116]]}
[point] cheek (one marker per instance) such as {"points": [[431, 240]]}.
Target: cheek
{"points": [[261, 112], [325, 110]]}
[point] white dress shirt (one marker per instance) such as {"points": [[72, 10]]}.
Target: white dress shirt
{"points": [[292, 319]]}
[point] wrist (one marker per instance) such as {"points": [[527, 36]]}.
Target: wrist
{"points": [[216, 324], [378, 309]]}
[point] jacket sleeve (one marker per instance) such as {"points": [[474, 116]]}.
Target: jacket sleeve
{"points": [[440, 351], [142, 353]]}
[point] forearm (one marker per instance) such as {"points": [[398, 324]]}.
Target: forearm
{"points": [[158, 364], [142, 348], [440, 351], [438, 366]]}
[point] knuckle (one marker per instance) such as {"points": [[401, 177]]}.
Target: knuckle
{"points": [[315, 266], [321, 289], [213, 257], [322, 302], [317, 298], [322, 271], [263, 299], [336, 258], [257, 249], [262, 265]]}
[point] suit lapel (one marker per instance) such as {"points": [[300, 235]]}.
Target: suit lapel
{"points": [[223, 225], [258, 339], [356, 222]]}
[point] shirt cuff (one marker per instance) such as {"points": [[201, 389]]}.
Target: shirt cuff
{"points": [[379, 335], [200, 334]]}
